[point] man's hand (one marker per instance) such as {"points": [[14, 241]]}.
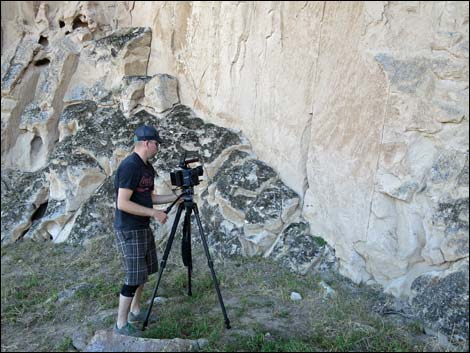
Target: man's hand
{"points": [[160, 216]]}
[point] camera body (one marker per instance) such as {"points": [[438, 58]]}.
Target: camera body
{"points": [[186, 177]]}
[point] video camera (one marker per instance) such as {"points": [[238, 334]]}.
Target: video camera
{"points": [[186, 177]]}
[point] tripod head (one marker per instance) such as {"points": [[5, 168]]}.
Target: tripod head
{"points": [[187, 194]]}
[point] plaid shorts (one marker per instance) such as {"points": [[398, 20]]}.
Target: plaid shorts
{"points": [[139, 254]]}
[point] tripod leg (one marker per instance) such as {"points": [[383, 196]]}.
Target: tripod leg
{"points": [[163, 262], [186, 246], [211, 265]]}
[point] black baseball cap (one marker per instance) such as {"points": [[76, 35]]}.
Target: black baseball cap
{"points": [[146, 133]]}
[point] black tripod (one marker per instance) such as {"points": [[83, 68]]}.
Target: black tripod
{"points": [[190, 206]]}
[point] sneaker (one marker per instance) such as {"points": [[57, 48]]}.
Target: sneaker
{"points": [[128, 330], [140, 317]]}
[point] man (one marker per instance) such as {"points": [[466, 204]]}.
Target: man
{"points": [[134, 184]]}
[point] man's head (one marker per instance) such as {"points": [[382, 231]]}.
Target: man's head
{"points": [[147, 140]]}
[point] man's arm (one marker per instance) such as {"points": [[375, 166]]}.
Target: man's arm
{"points": [[161, 199], [125, 204]]}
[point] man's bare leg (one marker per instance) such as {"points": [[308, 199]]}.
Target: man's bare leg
{"points": [[135, 305], [124, 306]]}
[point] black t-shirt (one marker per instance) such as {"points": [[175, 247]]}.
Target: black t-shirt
{"points": [[135, 175]]}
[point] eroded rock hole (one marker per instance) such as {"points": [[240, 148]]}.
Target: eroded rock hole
{"points": [[42, 62], [36, 146], [43, 41], [39, 213], [77, 22]]}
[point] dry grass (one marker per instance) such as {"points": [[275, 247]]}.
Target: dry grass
{"points": [[54, 296]]}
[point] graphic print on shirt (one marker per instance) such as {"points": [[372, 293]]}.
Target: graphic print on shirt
{"points": [[146, 183]]}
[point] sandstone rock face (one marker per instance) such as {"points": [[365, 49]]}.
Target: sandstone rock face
{"points": [[356, 116], [386, 158]]}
